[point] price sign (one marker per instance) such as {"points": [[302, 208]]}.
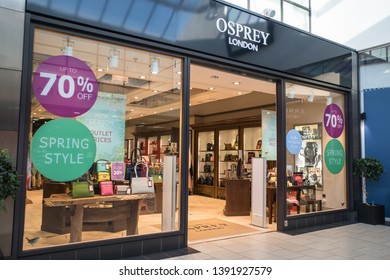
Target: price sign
{"points": [[117, 171], [65, 86], [333, 120]]}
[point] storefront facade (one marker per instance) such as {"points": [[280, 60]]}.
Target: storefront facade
{"points": [[100, 78]]}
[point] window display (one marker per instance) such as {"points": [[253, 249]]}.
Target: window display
{"points": [[309, 159], [85, 107], [315, 140]]}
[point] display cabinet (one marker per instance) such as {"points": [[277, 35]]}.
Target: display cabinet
{"points": [[154, 146], [238, 197], [221, 152], [252, 144], [228, 154], [205, 163]]}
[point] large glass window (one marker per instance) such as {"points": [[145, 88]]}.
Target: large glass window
{"points": [[292, 12], [296, 16], [97, 109], [316, 150]]}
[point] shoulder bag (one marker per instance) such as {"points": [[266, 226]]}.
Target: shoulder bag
{"points": [[142, 184], [82, 189]]}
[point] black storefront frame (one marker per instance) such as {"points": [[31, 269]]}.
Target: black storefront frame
{"points": [[145, 244]]}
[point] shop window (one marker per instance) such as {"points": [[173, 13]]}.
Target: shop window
{"points": [[91, 104], [315, 154]]}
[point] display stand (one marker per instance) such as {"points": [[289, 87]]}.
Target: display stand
{"points": [[259, 187], [169, 193]]}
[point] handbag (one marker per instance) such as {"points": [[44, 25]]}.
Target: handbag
{"points": [[135, 156], [82, 189], [122, 189], [207, 168], [142, 184], [102, 165], [106, 188], [103, 176]]}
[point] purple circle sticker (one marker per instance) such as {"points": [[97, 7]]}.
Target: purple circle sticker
{"points": [[333, 120], [65, 86]]}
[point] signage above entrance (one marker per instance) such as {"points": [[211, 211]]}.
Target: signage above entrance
{"points": [[242, 36]]}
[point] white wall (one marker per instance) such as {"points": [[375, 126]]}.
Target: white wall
{"points": [[357, 24]]}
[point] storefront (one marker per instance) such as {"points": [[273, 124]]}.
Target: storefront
{"points": [[193, 89]]}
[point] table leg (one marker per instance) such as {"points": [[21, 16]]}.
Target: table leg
{"points": [[76, 223], [132, 221]]}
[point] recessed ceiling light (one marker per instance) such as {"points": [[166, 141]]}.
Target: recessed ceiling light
{"points": [[135, 97], [239, 93], [154, 112], [100, 70], [179, 83], [211, 88], [178, 72], [142, 77], [155, 91], [236, 83], [142, 115], [170, 109]]}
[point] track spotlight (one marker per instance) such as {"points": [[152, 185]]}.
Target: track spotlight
{"points": [[269, 13]]}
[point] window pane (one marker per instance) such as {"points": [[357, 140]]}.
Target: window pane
{"points": [[315, 154], [305, 3], [240, 3], [136, 108], [296, 16]]}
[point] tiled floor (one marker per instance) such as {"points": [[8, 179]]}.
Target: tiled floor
{"points": [[349, 242]]}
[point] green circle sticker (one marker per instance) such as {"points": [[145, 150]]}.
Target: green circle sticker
{"points": [[334, 156], [63, 149]]}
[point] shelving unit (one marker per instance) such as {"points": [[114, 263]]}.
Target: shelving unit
{"points": [[252, 147], [205, 166], [230, 144]]}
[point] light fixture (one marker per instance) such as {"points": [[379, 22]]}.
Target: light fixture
{"points": [[310, 98], [269, 12], [154, 66], [68, 47], [236, 83], [291, 93], [329, 100], [114, 58]]}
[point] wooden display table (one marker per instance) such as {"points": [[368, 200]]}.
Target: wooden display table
{"points": [[238, 197], [126, 207]]}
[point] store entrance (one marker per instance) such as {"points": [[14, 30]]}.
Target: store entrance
{"points": [[233, 121]]}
